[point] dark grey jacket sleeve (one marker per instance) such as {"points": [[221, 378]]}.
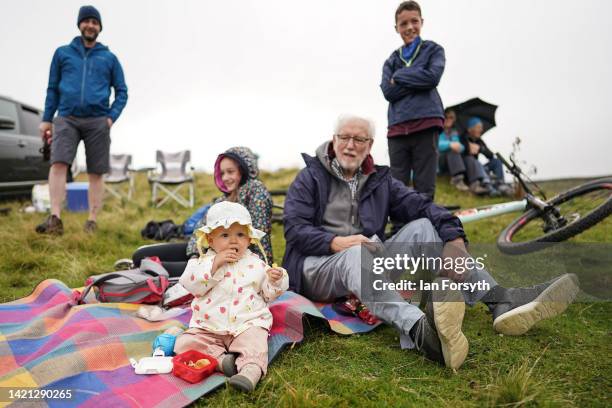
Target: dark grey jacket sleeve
{"points": [[299, 218]]}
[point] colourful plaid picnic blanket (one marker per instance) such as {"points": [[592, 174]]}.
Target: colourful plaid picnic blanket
{"points": [[47, 342]]}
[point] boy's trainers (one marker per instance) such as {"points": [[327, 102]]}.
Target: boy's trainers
{"points": [[246, 380], [52, 225]]}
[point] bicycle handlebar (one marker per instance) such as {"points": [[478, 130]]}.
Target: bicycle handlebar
{"points": [[518, 173]]}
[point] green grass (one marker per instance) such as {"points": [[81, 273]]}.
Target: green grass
{"points": [[566, 361]]}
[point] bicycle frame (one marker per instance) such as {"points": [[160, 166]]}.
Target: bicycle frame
{"points": [[488, 211]]}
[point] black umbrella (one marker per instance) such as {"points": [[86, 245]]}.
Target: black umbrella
{"points": [[474, 107]]}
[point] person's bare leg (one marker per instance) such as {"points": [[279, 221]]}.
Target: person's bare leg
{"points": [[57, 187], [95, 194]]}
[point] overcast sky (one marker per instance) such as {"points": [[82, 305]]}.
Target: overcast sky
{"points": [[274, 75]]}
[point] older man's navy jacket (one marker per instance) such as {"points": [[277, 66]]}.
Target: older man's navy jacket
{"points": [[382, 197]]}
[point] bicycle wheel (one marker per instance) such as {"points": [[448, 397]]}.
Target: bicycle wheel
{"points": [[582, 207]]}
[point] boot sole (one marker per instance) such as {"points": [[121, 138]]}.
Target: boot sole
{"points": [[51, 232], [448, 318], [45, 230], [551, 302]]}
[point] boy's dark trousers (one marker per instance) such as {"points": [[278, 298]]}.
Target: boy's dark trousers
{"points": [[416, 154]]}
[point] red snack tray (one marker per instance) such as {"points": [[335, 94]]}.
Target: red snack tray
{"points": [[192, 374]]}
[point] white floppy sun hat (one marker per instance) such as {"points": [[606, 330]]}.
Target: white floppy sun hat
{"points": [[224, 214]]}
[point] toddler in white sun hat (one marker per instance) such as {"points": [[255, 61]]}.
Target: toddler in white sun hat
{"points": [[232, 288]]}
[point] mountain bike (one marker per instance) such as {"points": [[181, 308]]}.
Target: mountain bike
{"points": [[545, 221]]}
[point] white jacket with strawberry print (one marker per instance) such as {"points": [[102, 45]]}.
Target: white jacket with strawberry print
{"points": [[235, 297]]}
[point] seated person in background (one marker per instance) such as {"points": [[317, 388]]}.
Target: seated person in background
{"points": [[232, 289], [479, 177], [450, 149], [235, 174]]}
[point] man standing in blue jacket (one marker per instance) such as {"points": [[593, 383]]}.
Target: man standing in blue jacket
{"points": [[415, 115], [342, 199], [80, 81]]}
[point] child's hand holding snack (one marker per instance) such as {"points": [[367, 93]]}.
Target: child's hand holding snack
{"points": [[228, 255], [275, 275]]}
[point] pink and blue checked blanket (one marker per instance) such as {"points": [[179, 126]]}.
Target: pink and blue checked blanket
{"points": [[47, 342]]}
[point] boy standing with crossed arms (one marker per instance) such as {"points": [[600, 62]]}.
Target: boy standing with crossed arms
{"points": [[416, 116]]}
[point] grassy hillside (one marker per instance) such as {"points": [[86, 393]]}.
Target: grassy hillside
{"points": [[563, 362]]}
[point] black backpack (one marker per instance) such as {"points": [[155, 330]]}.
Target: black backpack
{"points": [[162, 230]]}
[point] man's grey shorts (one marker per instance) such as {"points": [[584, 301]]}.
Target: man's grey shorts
{"points": [[68, 131]]}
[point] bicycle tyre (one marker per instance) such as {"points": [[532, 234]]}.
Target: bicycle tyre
{"points": [[504, 240]]}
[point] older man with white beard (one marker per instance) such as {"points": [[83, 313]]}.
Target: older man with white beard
{"points": [[341, 198]]}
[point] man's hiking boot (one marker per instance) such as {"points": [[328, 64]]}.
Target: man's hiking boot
{"points": [[248, 377], [458, 183], [227, 364], [516, 310], [52, 225], [90, 226], [438, 334]]}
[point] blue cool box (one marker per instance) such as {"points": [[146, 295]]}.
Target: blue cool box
{"points": [[76, 196]]}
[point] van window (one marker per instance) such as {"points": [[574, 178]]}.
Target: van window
{"points": [[9, 109], [30, 120]]}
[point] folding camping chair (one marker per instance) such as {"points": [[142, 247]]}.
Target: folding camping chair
{"points": [[173, 175], [120, 172], [277, 209]]}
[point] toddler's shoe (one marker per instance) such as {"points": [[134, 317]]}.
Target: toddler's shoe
{"points": [[227, 364], [246, 380]]}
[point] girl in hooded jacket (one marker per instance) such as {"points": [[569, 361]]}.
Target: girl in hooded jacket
{"points": [[236, 172]]}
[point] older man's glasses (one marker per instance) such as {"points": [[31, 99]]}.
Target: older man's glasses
{"points": [[359, 141]]}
